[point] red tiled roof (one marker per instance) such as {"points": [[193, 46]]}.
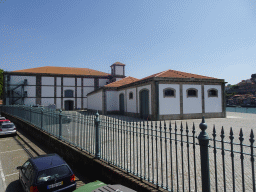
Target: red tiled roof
{"points": [[177, 74], [64, 70], [124, 81], [118, 63]]}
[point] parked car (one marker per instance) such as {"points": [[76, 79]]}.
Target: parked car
{"points": [[4, 121], [98, 186], [46, 173], [8, 129], [2, 118]]}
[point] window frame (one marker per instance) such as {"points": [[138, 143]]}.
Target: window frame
{"points": [[131, 95], [213, 89], [167, 96], [69, 90], [192, 89]]}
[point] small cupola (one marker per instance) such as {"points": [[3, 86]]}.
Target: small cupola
{"points": [[117, 71]]}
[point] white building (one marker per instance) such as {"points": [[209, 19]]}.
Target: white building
{"points": [[64, 87], [166, 95]]}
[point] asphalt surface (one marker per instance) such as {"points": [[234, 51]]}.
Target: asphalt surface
{"points": [[14, 151]]}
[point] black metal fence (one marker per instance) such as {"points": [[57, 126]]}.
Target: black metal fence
{"points": [[173, 157]]}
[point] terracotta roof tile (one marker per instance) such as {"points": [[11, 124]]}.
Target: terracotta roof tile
{"points": [[177, 74], [124, 81], [64, 70], [118, 63]]}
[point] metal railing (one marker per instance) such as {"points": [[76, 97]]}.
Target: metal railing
{"points": [[175, 158]]}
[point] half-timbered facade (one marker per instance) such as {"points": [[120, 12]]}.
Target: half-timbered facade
{"points": [[63, 87]]}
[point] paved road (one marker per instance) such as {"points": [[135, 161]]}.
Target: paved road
{"points": [[124, 141], [14, 151]]}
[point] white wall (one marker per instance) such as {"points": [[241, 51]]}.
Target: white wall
{"points": [[30, 101], [213, 104], [47, 101], [58, 92], [131, 103], [84, 103], [112, 100], [20, 79], [192, 104], [103, 82], [148, 87], [68, 81], [119, 70], [78, 81], [87, 90], [94, 101], [79, 103], [47, 91], [169, 105], [58, 103], [31, 90], [88, 82], [79, 91], [47, 81], [58, 81]]}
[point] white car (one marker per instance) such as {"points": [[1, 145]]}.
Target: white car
{"points": [[8, 129]]}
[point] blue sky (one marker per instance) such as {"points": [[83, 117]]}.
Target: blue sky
{"points": [[213, 38]]}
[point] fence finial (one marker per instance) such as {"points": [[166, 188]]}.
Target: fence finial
{"points": [[203, 125]]}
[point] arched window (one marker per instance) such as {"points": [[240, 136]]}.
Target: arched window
{"points": [[169, 92], [192, 92], [131, 95], [212, 93], [68, 93]]}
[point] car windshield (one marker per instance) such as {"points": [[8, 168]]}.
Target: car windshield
{"points": [[53, 173], [4, 122], [7, 126]]}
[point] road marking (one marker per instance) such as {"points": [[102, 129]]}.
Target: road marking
{"points": [[5, 139], [2, 177], [11, 174], [12, 151]]}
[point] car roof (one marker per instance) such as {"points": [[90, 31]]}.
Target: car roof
{"points": [[3, 120], [43, 162]]}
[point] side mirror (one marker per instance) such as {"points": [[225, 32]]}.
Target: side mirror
{"points": [[19, 167]]}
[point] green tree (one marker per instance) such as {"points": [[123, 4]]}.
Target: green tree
{"points": [[1, 83]]}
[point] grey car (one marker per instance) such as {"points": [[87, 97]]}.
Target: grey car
{"points": [[8, 129]]}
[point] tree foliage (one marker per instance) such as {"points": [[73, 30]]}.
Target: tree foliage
{"points": [[1, 83]]}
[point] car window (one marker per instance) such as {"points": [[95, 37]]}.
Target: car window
{"points": [[53, 173], [8, 126], [24, 166], [28, 171]]}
